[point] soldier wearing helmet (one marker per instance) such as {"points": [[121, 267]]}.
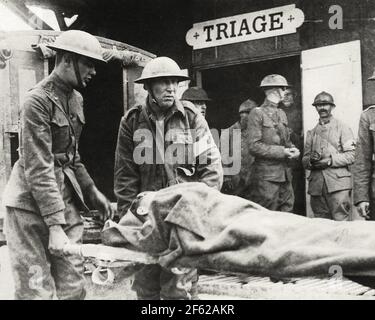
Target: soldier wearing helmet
{"points": [[198, 97], [239, 184], [269, 143], [329, 151], [49, 185], [180, 148]]}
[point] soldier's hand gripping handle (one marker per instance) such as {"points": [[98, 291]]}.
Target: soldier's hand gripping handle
{"points": [[101, 203], [364, 209], [57, 240]]}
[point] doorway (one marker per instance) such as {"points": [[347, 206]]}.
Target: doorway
{"points": [[229, 86], [103, 108]]}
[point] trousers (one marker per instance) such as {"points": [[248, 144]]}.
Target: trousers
{"points": [[38, 275], [335, 205], [276, 196], [154, 282]]}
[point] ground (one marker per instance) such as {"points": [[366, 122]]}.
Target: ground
{"points": [[119, 291]]}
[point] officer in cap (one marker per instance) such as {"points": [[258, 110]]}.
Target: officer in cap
{"points": [[170, 124], [328, 153], [198, 97], [239, 184], [269, 143], [49, 186]]}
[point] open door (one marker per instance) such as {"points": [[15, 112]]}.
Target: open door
{"points": [[337, 70]]}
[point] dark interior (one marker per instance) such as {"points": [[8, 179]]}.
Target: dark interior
{"points": [[229, 86], [103, 107]]}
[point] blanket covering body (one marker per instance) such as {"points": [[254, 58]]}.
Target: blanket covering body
{"points": [[193, 225]]}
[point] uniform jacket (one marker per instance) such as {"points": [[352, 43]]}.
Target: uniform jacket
{"points": [[363, 168], [333, 139], [268, 136], [51, 124], [185, 132]]}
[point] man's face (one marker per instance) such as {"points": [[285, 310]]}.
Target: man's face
{"points": [[244, 117], [324, 110], [282, 92], [87, 70], [288, 100], [201, 106], [164, 92]]}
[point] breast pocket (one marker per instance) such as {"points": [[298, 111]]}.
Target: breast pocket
{"points": [[60, 132], [270, 135]]}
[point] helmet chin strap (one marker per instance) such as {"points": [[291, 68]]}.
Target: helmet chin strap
{"points": [[76, 70], [150, 92]]}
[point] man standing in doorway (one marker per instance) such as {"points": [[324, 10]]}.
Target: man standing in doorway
{"points": [[294, 115], [49, 185], [198, 97], [161, 123], [239, 184], [329, 151], [269, 143]]}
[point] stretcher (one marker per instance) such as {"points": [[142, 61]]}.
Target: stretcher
{"points": [[214, 282]]}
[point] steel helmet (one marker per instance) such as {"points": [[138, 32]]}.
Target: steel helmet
{"points": [[195, 94], [247, 106], [79, 42], [323, 98], [161, 67], [274, 80]]}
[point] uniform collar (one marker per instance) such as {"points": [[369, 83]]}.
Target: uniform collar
{"points": [[60, 87], [325, 121], [176, 107], [268, 103]]}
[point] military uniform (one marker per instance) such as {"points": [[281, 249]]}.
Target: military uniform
{"points": [[330, 188], [45, 188], [239, 184], [183, 128], [294, 116], [268, 137], [363, 172]]}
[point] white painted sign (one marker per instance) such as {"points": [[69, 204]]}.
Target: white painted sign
{"points": [[245, 27]]}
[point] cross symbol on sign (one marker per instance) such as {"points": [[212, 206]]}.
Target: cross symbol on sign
{"points": [[291, 18], [196, 36]]}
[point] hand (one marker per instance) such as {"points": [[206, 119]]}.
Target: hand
{"points": [[101, 203], [295, 152], [57, 240], [364, 209], [291, 153], [322, 164]]}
